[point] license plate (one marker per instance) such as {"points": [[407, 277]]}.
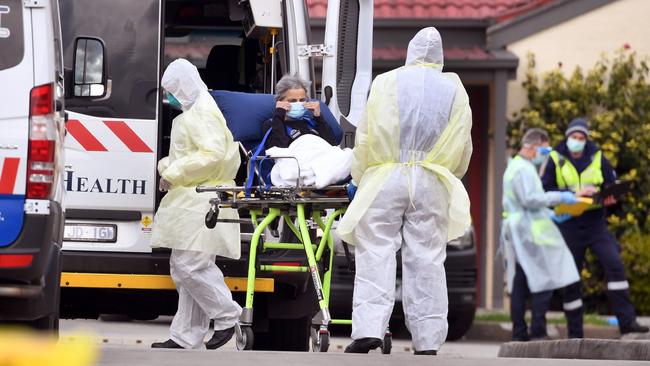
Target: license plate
{"points": [[90, 232]]}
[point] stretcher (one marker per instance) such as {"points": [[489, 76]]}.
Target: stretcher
{"points": [[311, 208]]}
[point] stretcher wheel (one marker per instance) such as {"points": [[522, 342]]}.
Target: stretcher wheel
{"points": [[320, 340], [387, 343], [244, 338], [211, 217]]}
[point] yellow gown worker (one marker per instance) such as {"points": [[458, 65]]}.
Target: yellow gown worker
{"points": [[202, 152], [412, 147]]}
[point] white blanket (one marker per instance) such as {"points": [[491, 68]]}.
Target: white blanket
{"points": [[321, 164]]}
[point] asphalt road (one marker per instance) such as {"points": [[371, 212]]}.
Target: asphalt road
{"points": [[127, 343], [140, 356], [136, 334]]}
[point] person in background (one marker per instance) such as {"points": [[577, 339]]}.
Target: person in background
{"points": [[537, 258], [578, 165]]}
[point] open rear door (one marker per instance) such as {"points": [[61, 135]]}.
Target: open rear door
{"points": [[297, 34], [347, 74]]}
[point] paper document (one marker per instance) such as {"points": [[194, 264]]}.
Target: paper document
{"points": [[574, 209]]}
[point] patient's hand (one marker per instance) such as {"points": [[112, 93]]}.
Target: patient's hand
{"points": [[314, 106], [284, 105]]}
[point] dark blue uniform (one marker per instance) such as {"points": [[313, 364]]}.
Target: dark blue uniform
{"points": [[590, 231]]}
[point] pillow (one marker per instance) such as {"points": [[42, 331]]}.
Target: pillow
{"points": [[245, 113]]}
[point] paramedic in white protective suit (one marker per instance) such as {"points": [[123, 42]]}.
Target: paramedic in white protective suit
{"points": [[412, 147], [202, 152]]}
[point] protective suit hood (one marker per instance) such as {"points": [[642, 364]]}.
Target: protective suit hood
{"points": [[182, 79], [425, 48]]}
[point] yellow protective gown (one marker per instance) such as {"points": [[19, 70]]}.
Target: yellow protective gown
{"points": [[412, 146], [202, 152], [377, 153]]}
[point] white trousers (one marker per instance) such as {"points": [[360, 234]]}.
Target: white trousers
{"points": [[416, 222], [202, 295]]}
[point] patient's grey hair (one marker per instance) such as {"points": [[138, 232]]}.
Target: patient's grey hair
{"points": [[289, 82], [534, 136]]}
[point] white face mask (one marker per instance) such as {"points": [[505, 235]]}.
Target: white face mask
{"points": [[575, 145]]}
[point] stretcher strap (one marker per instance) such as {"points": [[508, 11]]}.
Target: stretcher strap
{"points": [[251, 172], [268, 176]]}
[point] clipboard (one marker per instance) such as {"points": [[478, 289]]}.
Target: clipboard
{"points": [[574, 209], [617, 189]]}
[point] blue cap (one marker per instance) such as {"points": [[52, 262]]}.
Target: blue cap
{"points": [[578, 125]]}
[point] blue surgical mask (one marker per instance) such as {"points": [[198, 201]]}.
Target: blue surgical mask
{"points": [[575, 145], [539, 159], [297, 110], [542, 154], [173, 101]]}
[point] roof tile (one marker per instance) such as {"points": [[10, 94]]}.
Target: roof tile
{"points": [[457, 9]]}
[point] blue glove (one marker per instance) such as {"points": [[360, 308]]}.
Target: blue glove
{"points": [[568, 197], [352, 190], [558, 219]]}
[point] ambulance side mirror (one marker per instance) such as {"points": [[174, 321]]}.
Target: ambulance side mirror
{"points": [[89, 68]]}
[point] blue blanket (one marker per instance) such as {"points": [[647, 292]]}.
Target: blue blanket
{"points": [[245, 113]]}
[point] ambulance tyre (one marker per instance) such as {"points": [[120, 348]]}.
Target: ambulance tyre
{"points": [[285, 335]]}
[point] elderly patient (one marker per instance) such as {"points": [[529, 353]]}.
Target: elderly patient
{"points": [[298, 130]]}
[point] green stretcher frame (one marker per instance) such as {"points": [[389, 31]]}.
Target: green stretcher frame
{"points": [[285, 203], [313, 252]]}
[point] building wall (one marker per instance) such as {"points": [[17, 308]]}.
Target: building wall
{"points": [[582, 41]]}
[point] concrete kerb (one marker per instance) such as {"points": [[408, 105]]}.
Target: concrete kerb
{"points": [[601, 349], [502, 332]]}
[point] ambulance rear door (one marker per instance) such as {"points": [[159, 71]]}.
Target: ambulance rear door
{"points": [[347, 65], [111, 57]]}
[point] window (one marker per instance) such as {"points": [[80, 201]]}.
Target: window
{"points": [[12, 39]]}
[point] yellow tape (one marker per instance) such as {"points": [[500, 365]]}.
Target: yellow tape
{"points": [[150, 282]]}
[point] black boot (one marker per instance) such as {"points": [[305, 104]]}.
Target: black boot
{"points": [[429, 352], [166, 344], [634, 327], [363, 345], [219, 338]]}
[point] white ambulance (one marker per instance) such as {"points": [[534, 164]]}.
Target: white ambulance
{"points": [[119, 125], [31, 162]]}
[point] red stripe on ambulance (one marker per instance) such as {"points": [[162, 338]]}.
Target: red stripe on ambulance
{"points": [[8, 175], [83, 136], [127, 136]]}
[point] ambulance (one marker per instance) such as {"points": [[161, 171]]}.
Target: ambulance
{"points": [[31, 162], [119, 125]]}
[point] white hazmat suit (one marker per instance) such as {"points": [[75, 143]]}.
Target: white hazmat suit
{"points": [[412, 146], [202, 152]]}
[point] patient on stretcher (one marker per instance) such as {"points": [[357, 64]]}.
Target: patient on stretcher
{"points": [[298, 130]]}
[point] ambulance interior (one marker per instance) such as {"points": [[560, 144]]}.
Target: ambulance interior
{"points": [[229, 50]]}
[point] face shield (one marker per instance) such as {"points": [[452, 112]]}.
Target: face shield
{"points": [[425, 48], [183, 81]]}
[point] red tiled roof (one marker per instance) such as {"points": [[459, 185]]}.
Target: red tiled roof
{"points": [[456, 9], [455, 53]]}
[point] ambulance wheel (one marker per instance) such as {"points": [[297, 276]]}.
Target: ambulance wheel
{"points": [[211, 218], [387, 344], [320, 340], [244, 336]]}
